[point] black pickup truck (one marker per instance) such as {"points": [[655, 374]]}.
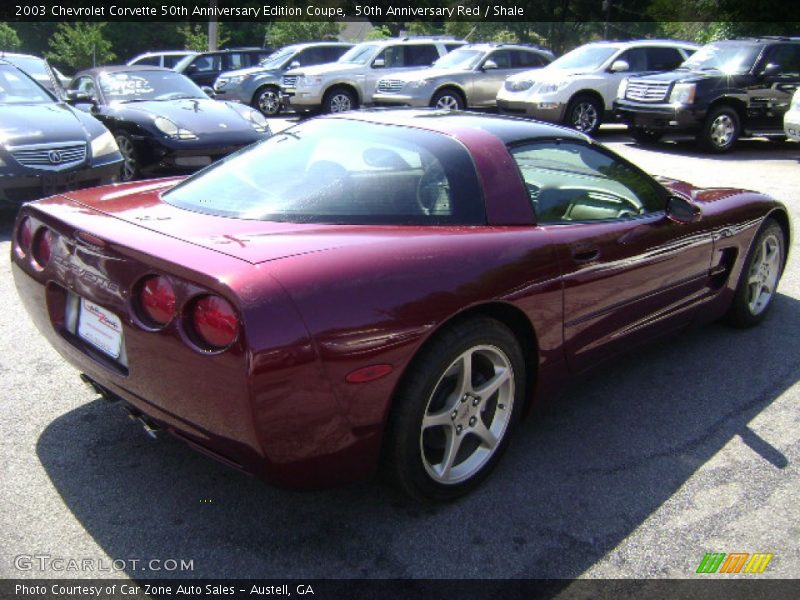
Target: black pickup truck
{"points": [[723, 91]]}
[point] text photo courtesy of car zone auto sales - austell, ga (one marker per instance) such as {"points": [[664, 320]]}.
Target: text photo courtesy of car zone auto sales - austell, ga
{"points": [[309, 299]]}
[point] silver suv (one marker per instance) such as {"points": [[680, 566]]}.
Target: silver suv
{"points": [[579, 88], [260, 86], [469, 76], [350, 81]]}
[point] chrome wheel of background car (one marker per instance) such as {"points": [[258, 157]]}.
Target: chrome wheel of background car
{"points": [[455, 409], [467, 414], [130, 165], [764, 271], [721, 130], [268, 101], [760, 275], [339, 100], [447, 100], [584, 115]]}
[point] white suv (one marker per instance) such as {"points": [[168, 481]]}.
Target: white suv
{"points": [[350, 81], [579, 88]]}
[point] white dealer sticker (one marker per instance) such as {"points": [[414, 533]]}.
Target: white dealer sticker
{"points": [[100, 328]]}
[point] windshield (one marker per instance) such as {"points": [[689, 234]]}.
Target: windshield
{"points": [[137, 86], [463, 58], [586, 57], [341, 171], [17, 88], [727, 58], [276, 59], [360, 54]]}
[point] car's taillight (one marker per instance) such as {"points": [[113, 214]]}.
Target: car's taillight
{"points": [[157, 300], [25, 235], [215, 321], [43, 246]]}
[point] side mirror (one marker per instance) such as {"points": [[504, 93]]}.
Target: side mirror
{"points": [[771, 69], [378, 63], [294, 64], [209, 91], [489, 65], [681, 210], [190, 69], [619, 66]]}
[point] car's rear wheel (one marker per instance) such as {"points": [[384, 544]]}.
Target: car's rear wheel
{"points": [[268, 100], [720, 130], [585, 114], [645, 136], [448, 99], [760, 276], [130, 159], [455, 410], [339, 100]]}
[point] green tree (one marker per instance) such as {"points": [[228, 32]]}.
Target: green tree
{"points": [[9, 40], [80, 45], [283, 33], [195, 37], [380, 32]]}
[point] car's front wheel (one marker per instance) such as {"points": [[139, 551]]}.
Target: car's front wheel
{"points": [[448, 99], [339, 100], [585, 114], [268, 101], [720, 130], [455, 410], [760, 276], [130, 158]]}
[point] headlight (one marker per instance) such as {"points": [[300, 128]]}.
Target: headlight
{"points": [[518, 85], [549, 88], [623, 87], [103, 144], [310, 80], [415, 85], [236, 79], [682, 93], [170, 129], [253, 117]]}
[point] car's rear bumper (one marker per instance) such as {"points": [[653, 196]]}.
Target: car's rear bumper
{"points": [[659, 117], [32, 185]]}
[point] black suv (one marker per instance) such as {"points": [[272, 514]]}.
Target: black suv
{"points": [[726, 89], [204, 67]]}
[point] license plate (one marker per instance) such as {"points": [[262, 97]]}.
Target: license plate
{"points": [[101, 328]]}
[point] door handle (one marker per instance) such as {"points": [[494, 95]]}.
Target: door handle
{"points": [[585, 253]]}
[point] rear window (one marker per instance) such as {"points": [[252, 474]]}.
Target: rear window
{"points": [[341, 171]]}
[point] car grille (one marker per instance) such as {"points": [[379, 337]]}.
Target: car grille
{"points": [[52, 157], [289, 81], [390, 85], [646, 91]]}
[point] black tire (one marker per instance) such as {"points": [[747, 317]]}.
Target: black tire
{"points": [[585, 114], [339, 99], [475, 429], [267, 100], [721, 129], [760, 275], [131, 167], [448, 99], [645, 136]]}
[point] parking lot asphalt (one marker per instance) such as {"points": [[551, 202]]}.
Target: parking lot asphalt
{"points": [[688, 447]]}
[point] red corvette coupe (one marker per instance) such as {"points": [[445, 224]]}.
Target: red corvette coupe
{"points": [[386, 287]]}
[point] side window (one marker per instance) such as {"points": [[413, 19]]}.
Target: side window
{"points": [[393, 56], [421, 55], [235, 60], [152, 61], [208, 63], [663, 59], [171, 60], [569, 181], [788, 57], [502, 58], [311, 56], [85, 85], [332, 53], [636, 58], [520, 59]]}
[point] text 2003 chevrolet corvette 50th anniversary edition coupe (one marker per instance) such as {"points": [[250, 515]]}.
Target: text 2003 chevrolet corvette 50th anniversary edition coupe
{"points": [[385, 287]]}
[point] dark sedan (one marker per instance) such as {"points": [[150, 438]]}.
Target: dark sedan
{"points": [[162, 120], [46, 145], [396, 286]]}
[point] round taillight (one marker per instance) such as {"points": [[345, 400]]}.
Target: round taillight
{"points": [[43, 246], [215, 321], [157, 299], [25, 235]]}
